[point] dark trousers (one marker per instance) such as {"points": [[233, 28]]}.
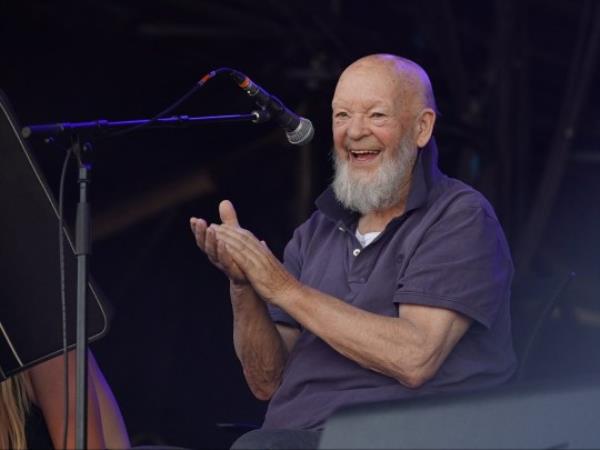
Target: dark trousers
{"points": [[278, 440]]}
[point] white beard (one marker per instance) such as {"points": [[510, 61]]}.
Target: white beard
{"points": [[378, 191]]}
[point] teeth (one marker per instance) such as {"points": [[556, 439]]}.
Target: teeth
{"points": [[365, 152]]}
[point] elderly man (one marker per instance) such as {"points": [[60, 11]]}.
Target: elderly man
{"points": [[397, 286]]}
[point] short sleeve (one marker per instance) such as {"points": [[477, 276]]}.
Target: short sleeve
{"points": [[462, 263], [292, 261]]}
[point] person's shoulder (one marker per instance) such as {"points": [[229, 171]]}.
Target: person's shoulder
{"points": [[456, 195], [316, 222], [313, 230]]}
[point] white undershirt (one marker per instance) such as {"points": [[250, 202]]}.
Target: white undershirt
{"points": [[367, 238]]}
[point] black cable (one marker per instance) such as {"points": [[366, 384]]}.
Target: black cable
{"points": [[63, 296], [187, 95], [157, 116]]}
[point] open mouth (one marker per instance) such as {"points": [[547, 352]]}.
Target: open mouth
{"points": [[363, 155]]}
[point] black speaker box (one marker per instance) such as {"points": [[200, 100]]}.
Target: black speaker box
{"points": [[513, 417]]}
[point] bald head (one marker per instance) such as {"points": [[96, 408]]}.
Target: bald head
{"points": [[409, 80]]}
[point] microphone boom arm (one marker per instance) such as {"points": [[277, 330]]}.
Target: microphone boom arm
{"points": [[55, 129]]}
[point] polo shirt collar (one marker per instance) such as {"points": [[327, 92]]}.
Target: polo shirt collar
{"points": [[425, 175]]}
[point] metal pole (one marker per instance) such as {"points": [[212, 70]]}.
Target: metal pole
{"points": [[83, 245]]}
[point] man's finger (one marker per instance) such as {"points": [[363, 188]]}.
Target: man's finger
{"points": [[210, 245], [227, 213], [236, 255], [242, 233], [198, 227], [241, 241], [225, 257]]}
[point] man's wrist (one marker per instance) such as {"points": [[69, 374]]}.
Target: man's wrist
{"points": [[239, 287], [288, 292]]}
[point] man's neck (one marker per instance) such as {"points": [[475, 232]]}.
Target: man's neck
{"points": [[378, 220]]}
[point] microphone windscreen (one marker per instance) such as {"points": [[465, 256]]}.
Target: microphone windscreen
{"points": [[303, 133]]}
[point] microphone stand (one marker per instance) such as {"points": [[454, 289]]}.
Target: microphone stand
{"points": [[55, 129], [83, 247], [83, 224]]}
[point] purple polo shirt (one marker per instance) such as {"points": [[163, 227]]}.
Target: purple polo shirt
{"points": [[447, 250]]}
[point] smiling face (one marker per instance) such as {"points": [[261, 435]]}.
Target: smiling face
{"points": [[376, 108]]}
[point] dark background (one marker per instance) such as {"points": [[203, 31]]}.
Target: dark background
{"points": [[515, 83]]}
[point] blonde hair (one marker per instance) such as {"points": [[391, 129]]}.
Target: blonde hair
{"points": [[15, 401]]}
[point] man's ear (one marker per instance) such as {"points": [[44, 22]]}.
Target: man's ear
{"points": [[424, 127]]}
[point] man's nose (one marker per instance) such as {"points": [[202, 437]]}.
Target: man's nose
{"points": [[357, 127]]}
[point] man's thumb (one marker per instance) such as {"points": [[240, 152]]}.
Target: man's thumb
{"points": [[227, 213]]}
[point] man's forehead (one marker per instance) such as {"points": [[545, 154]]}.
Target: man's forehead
{"points": [[368, 84], [353, 99]]}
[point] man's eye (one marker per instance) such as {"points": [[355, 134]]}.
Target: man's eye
{"points": [[341, 115], [377, 115]]}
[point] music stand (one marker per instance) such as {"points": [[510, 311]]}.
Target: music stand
{"points": [[30, 293]]}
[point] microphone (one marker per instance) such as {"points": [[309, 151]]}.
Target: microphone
{"points": [[298, 130]]}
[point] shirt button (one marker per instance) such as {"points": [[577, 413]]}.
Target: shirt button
{"points": [[356, 251], [341, 228]]}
